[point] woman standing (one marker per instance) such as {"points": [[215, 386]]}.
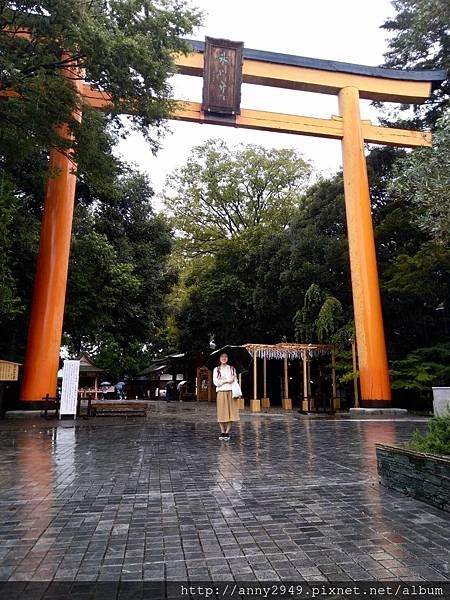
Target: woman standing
{"points": [[224, 376]]}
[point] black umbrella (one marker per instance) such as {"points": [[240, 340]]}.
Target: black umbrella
{"points": [[238, 357]]}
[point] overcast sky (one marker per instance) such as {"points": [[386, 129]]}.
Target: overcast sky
{"points": [[343, 30]]}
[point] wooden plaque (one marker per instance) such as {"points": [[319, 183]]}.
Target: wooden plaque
{"points": [[222, 77], [9, 371]]}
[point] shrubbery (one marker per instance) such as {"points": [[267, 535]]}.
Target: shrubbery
{"points": [[436, 440]]}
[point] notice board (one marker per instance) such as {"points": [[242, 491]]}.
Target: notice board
{"points": [[69, 394]]}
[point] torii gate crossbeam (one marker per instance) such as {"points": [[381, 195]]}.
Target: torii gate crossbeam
{"points": [[350, 83]]}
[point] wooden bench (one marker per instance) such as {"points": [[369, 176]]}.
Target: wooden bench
{"points": [[50, 403], [104, 408]]}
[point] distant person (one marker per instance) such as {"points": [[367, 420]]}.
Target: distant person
{"points": [[120, 391], [170, 392], [224, 375]]}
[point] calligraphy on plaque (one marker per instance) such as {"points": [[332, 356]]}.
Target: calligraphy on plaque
{"points": [[222, 76]]}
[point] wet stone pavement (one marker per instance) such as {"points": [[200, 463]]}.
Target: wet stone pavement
{"points": [[161, 497]]}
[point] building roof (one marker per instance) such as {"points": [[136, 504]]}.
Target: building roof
{"points": [[162, 365], [154, 368], [87, 365]]}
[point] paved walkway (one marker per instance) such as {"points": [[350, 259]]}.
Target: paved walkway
{"points": [[162, 498]]}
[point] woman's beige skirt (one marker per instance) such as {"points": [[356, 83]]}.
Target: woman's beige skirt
{"points": [[227, 407]]}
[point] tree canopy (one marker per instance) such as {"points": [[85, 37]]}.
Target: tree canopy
{"points": [[118, 270], [123, 48], [420, 39], [221, 192], [118, 274], [424, 177]]}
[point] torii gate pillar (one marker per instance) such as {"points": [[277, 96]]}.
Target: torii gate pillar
{"points": [[49, 295], [373, 364]]}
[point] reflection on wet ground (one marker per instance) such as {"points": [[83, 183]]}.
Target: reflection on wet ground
{"points": [[161, 497]]}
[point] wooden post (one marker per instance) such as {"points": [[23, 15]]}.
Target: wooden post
{"points": [[255, 403], [335, 401], [305, 404], [241, 400], [266, 400], [286, 402], [355, 374], [373, 366]]}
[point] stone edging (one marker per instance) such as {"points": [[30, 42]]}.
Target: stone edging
{"points": [[407, 452], [423, 476]]}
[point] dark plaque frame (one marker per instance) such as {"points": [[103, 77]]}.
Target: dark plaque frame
{"points": [[222, 76]]}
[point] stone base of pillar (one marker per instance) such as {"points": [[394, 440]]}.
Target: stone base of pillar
{"points": [[305, 406], [265, 402], [336, 404], [241, 403], [286, 403], [255, 405], [375, 403]]}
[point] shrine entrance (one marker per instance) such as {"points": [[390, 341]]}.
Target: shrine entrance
{"points": [[224, 65]]}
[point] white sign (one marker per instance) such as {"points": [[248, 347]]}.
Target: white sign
{"points": [[69, 394]]}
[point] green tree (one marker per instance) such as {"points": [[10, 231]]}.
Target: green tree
{"points": [[422, 368], [305, 319], [19, 239], [123, 48], [423, 177], [415, 286], [221, 192], [218, 296], [253, 286], [118, 277], [421, 40], [329, 319], [9, 300]]}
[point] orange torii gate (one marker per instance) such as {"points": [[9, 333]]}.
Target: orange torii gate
{"points": [[224, 66]]}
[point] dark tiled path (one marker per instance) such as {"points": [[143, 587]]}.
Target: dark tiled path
{"points": [[162, 497]]}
